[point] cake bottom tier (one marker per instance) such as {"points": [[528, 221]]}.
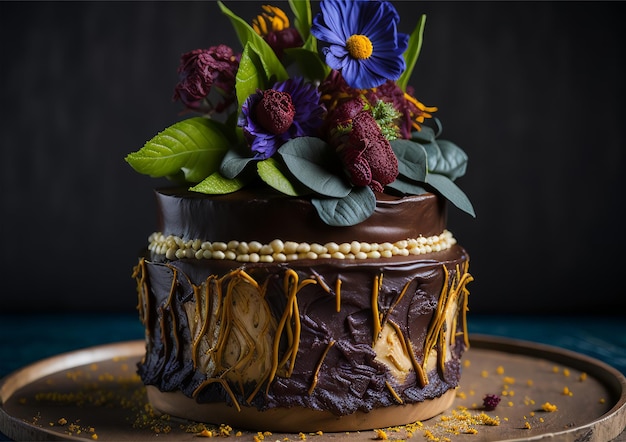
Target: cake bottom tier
{"points": [[308, 345]]}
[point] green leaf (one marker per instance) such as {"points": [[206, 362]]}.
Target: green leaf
{"points": [[411, 159], [194, 146], [412, 52], [309, 63], [244, 31], [258, 69], [406, 187], [301, 10], [352, 209], [451, 192], [270, 171], [452, 162], [314, 163], [425, 135], [217, 184], [234, 164]]}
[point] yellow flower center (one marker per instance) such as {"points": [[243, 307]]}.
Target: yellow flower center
{"points": [[359, 46]]}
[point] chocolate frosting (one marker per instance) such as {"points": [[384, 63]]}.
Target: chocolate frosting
{"points": [[339, 314], [265, 215]]}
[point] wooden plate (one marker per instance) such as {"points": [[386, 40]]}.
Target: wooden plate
{"points": [[95, 394]]}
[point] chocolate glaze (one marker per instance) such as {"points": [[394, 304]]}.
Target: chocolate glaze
{"points": [[350, 378], [264, 215]]}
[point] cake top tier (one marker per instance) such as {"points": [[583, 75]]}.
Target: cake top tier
{"points": [[321, 110], [263, 215]]}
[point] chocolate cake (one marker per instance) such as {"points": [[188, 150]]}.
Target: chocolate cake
{"points": [[302, 277]]}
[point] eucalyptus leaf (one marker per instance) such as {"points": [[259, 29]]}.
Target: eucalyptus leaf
{"points": [[452, 162], [352, 209], [412, 52], [217, 184], [311, 161], [270, 172], [424, 135], [433, 155], [406, 187], [446, 187], [194, 146], [411, 159], [234, 164]]}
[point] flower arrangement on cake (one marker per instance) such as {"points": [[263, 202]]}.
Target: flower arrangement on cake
{"points": [[321, 110]]}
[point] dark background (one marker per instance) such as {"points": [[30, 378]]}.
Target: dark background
{"points": [[532, 91]]}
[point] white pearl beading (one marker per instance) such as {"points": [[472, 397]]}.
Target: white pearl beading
{"points": [[174, 247]]}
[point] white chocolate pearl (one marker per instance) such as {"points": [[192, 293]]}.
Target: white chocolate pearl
{"points": [[277, 245], [221, 246]]}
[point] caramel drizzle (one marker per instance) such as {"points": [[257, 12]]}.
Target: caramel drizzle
{"points": [[318, 367], [376, 317], [395, 395], [139, 273], [338, 294], [291, 315], [450, 293], [289, 325]]}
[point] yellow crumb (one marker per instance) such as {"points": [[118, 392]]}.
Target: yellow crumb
{"points": [[527, 425], [582, 377], [62, 421], [510, 403], [319, 433], [500, 369], [549, 407], [566, 372], [460, 395], [555, 369], [94, 436], [567, 392], [380, 434], [509, 380], [540, 419], [529, 382], [602, 400], [484, 373], [302, 436], [466, 363]]}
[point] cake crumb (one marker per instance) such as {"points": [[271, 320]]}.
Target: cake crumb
{"points": [[582, 377], [527, 425], [549, 407], [380, 434], [500, 369], [567, 392]]}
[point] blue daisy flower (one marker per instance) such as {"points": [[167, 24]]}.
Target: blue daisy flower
{"points": [[363, 41], [289, 109]]}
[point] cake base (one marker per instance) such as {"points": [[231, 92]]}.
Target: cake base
{"points": [[295, 419]]}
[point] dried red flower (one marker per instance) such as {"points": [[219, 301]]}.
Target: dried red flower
{"points": [[202, 69], [367, 155], [491, 401]]}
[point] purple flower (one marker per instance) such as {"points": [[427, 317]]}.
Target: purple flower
{"points": [[363, 41], [288, 110], [200, 70]]}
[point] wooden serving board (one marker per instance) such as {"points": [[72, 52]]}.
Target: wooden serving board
{"points": [[95, 394]]}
